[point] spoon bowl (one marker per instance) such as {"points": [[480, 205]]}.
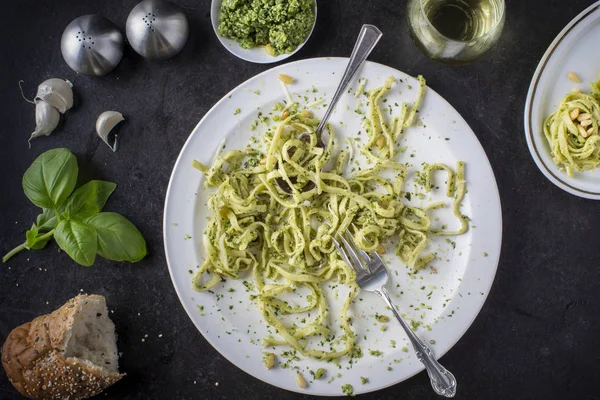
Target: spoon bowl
{"points": [[367, 40]]}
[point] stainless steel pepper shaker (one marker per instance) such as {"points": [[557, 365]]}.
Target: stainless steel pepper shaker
{"points": [[157, 29], [92, 45]]}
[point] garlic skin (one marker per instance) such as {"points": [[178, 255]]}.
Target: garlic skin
{"points": [[105, 124], [56, 92], [46, 119]]}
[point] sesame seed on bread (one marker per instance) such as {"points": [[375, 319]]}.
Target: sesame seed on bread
{"points": [[68, 354]]}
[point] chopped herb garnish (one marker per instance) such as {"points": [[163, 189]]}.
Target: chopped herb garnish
{"points": [[348, 390], [320, 373]]}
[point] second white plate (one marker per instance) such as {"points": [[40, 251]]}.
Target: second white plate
{"points": [[576, 42]]}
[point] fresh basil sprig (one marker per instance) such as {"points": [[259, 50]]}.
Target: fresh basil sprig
{"points": [[74, 218]]}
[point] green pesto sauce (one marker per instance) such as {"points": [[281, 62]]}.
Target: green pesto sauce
{"points": [[281, 25], [348, 390], [320, 373]]}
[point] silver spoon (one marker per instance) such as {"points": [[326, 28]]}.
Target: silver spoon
{"points": [[367, 39]]}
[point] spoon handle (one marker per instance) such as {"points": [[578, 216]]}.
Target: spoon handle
{"points": [[367, 39]]}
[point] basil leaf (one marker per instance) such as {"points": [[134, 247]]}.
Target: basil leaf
{"points": [[31, 236], [46, 221], [79, 240], [51, 178], [39, 244], [33, 239], [89, 199], [118, 239]]}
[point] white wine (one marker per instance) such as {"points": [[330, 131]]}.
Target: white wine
{"points": [[462, 20], [455, 31]]}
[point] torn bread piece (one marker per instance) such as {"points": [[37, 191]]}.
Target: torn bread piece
{"points": [[68, 354]]}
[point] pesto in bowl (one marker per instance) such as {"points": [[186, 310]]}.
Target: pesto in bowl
{"points": [[280, 26]]}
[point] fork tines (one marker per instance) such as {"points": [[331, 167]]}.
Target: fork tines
{"points": [[356, 258]]}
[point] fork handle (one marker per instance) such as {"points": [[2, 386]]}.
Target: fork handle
{"points": [[442, 380]]}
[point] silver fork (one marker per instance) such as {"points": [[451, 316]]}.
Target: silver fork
{"points": [[372, 276]]}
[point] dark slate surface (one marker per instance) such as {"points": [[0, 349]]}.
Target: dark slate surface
{"points": [[538, 334]]}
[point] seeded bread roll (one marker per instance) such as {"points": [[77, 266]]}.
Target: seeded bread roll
{"points": [[68, 354]]}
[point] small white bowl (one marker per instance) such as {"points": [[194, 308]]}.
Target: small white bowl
{"points": [[256, 55]]}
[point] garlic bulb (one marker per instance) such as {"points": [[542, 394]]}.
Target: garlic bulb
{"points": [[57, 93], [46, 119], [105, 124]]}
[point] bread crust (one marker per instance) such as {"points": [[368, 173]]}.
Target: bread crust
{"points": [[33, 359]]}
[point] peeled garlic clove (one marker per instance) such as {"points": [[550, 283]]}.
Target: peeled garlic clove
{"points": [[56, 92], [105, 124], [46, 119]]}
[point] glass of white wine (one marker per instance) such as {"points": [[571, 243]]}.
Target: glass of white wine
{"points": [[455, 31]]}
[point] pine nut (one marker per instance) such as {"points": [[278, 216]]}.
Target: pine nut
{"points": [[585, 123], [381, 249], [380, 141], [285, 114], [575, 113], [582, 131], [301, 382], [573, 76], [590, 131], [269, 49], [269, 360], [584, 116], [285, 78]]}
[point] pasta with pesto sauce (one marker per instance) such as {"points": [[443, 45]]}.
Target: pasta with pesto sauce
{"points": [[572, 131], [284, 240]]}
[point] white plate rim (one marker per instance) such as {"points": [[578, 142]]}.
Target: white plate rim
{"points": [[551, 172], [478, 304], [256, 55]]}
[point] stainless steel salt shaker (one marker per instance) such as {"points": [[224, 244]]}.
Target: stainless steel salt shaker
{"points": [[92, 45], [157, 29]]}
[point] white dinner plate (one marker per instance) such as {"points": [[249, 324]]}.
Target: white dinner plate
{"points": [[256, 55], [569, 52], [444, 299]]}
